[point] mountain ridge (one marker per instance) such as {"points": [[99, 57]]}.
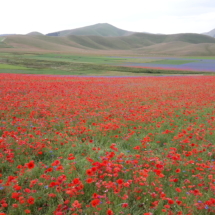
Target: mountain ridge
{"points": [[100, 29], [34, 33], [210, 33]]}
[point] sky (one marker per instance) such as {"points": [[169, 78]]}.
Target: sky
{"points": [[153, 16]]}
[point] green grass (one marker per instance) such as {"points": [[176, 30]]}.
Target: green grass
{"points": [[13, 67]]}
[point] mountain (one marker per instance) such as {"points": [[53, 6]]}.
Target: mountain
{"points": [[210, 33], [34, 33], [101, 29]]}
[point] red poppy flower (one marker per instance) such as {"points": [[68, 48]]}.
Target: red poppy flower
{"points": [[27, 211], [89, 172], [120, 181], [95, 202], [170, 201], [89, 180], [177, 170], [76, 180], [109, 212], [30, 200], [15, 205], [178, 189], [31, 165], [55, 163], [124, 205]]}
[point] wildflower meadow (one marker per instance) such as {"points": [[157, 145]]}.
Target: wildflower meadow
{"points": [[107, 146]]}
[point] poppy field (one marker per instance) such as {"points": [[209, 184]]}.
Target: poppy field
{"points": [[107, 146]]}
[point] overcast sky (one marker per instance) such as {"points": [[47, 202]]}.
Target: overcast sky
{"points": [[154, 16]]}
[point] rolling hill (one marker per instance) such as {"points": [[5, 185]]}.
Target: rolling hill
{"points": [[101, 29], [210, 33], [137, 43]]}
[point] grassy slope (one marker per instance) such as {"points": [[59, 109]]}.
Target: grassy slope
{"points": [[3, 44], [180, 48], [138, 40], [41, 43]]}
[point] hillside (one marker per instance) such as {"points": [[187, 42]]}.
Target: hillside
{"points": [[101, 29], [177, 44], [211, 33], [2, 43]]}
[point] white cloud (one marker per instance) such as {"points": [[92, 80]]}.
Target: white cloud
{"points": [[167, 16]]}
